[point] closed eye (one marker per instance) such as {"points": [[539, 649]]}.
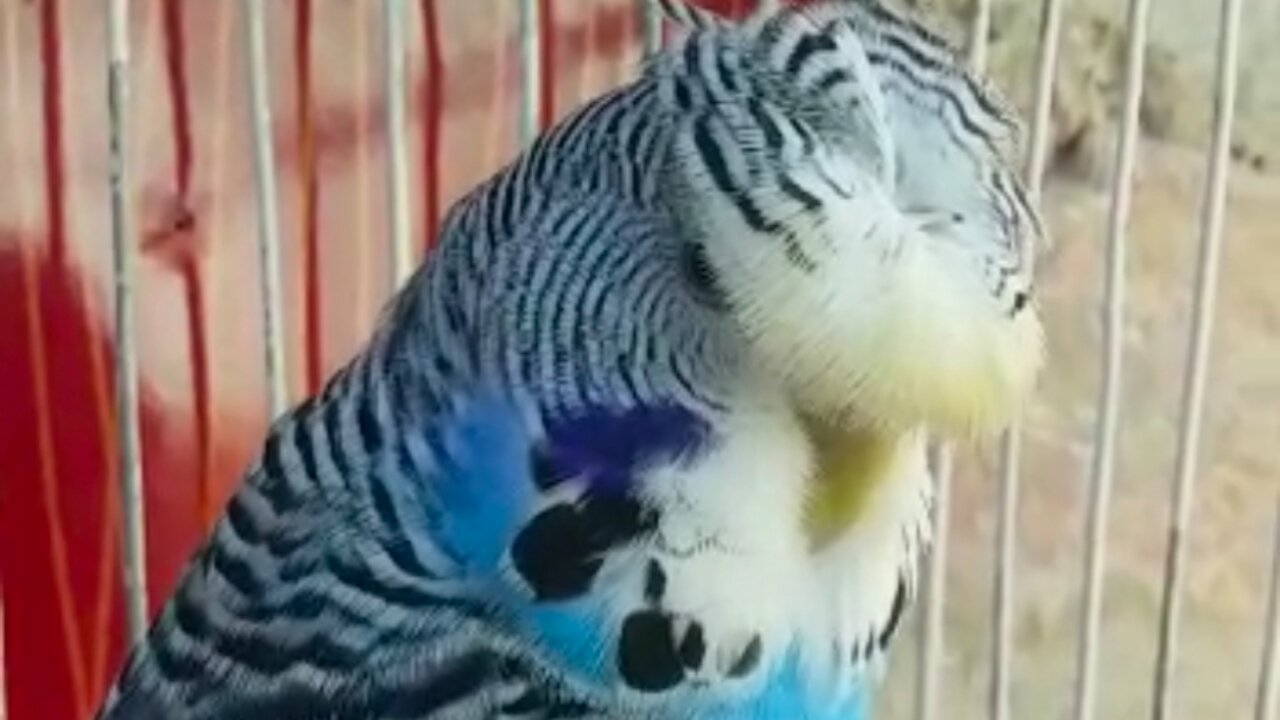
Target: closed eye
{"points": [[702, 277], [934, 220]]}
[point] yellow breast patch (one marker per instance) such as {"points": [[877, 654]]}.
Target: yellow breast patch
{"points": [[849, 465]]}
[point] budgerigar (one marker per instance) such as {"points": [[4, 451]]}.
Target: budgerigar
{"points": [[644, 436]]}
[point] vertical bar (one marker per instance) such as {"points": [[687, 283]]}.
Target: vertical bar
{"points": [[4, 692], [979, 32], [932, 639], [651, 26], [1011, 443], [1113, 331], [547, 64], [396, 79], [931, 630], [1212, 214], [308, 175], [764, 8], [586, 70], [495, 137], [122, 247], [53, 150], [187, 265], [1005, 573], [1269, 677], [932, 636], [530, 70], [268, 209], [359, 18], [9, 82], [1042, 104], [433, 112]]}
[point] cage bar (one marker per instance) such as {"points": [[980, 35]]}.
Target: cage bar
{"points": [[651, 26], [1101, 474], [4, 689], [932, 638], [1005, 574], [11, 81], [1041, 128], [1268, 702], [432, 115], [4, 692], [998, 701], [1212, 214], [395, 78], [530, 70], [979, 34], [10, 77], [133, 520], [264, 166]]}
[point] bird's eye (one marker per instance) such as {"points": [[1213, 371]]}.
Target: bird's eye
{"points": [[702, 277]]}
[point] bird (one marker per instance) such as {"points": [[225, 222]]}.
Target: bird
{"points": [[644, 435]]}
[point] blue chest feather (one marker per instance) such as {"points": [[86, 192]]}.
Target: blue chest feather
{"points": [[554, 506], [493, 475]]}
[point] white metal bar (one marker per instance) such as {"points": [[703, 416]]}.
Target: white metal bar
{"points": [[1005, 574], [1269, 678], [979, 33], [268, 207], [651, 24], [932, 633], [395, 76], [1101, 476], [1042, 104], [530, 70], [133, 520], [1212, 214], [1011, 444], [932, 637]]}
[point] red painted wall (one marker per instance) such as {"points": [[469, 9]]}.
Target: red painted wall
{"points": [[202, 401]]}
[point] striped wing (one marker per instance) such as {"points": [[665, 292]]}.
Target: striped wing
{"points": [[322, 593]]}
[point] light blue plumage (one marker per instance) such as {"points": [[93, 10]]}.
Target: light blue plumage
{"points": [[576, 471]]}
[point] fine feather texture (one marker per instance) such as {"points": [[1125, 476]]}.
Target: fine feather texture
{"points": [[597, 459], [887, 277]]}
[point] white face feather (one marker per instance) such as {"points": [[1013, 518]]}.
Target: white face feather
{"points": [[890, 330], [893, 327], [913, 304]]}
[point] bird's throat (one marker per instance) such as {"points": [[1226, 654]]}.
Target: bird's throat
{"points": [[849, 463]]}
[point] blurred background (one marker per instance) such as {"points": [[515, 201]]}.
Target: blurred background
{"points": [[203, 395]]}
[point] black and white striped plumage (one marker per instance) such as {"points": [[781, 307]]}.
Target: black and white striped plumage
{"points": [[570, 474]]}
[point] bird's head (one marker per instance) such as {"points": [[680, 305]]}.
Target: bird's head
{"points": [[855, 192]]}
